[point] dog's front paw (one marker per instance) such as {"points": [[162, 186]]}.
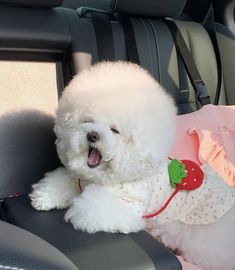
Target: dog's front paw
{"points": [[46, 197], [97, 210], [55, 190], [40, 198]]}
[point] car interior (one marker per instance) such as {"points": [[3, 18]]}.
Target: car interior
{"points": [[43, 44]]}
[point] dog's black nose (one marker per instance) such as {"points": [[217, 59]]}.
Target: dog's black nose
{"points": [[93, 136]]}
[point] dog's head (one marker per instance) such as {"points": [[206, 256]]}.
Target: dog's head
{"points": [[114, 123]]}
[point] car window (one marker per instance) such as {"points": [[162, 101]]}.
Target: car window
{"points": [[28, 85]]}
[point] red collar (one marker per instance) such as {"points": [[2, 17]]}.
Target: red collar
{"points": [[79, 185]]}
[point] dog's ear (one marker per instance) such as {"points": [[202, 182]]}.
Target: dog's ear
{"points": [[62, 121]]}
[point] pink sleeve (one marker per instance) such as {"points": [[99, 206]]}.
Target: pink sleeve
{"points": [[208, 136], [217, 148]]}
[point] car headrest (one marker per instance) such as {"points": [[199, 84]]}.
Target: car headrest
{"points": [[33, 3], [149, 8]]}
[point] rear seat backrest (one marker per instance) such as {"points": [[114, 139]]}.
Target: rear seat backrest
{"points": [[202, 50], [155, 46]]}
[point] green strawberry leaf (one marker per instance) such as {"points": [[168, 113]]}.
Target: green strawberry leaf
{"points": [[176, 170]]}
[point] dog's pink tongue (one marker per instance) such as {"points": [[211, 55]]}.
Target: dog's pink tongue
{"points": [[93, 158]]}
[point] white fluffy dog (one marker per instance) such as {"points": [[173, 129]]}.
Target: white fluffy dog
{"points": [[115, 127]]}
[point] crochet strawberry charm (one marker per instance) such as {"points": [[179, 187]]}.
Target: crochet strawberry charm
{"points": [[184, 175]]}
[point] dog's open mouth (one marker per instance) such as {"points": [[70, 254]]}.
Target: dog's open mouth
{"points": [[94, 157]]}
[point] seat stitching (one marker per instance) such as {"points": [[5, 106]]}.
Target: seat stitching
{"points": [[151, 57], [157, 49]]}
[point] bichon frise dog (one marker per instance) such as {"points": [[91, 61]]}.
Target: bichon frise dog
{"points": [[115, 127]]}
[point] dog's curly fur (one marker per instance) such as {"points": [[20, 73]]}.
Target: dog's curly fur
{"points": [[135, 121]]}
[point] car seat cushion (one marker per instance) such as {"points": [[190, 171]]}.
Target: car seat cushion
{"points": [[50, 226], [108, 251]]}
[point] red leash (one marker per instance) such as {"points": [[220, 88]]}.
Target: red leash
{"points": [[164, 206]]}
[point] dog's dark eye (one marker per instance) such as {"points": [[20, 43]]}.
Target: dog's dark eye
{"points": [[114, 130]]}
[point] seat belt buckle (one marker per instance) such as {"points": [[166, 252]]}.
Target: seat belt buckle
{"points": [[202, 94]]}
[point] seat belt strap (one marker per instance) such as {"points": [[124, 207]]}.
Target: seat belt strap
{"points": [[130, 40], [193, 73], [104, 36]]}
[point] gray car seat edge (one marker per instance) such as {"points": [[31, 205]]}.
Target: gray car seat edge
{"points": [[21, 250]]}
